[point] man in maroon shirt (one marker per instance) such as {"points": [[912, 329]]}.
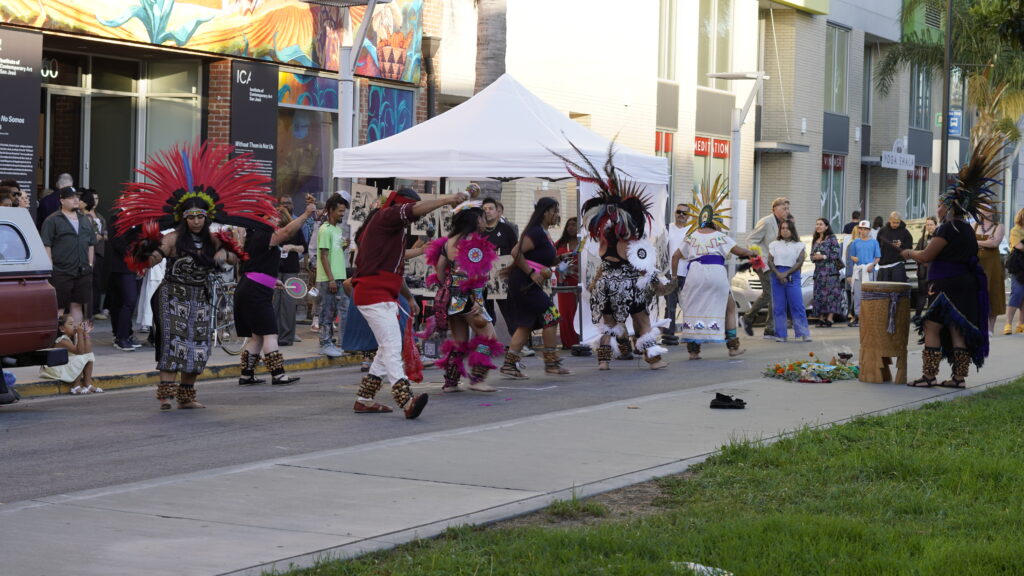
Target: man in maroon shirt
{"points": [[380, 266]]}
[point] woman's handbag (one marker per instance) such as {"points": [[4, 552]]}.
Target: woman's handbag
{"points": [[1015, 264]]}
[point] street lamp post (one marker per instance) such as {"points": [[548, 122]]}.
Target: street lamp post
{"points": [[739, 116], [346, 78]]}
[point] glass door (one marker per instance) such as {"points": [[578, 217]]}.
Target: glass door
{"points": [[112, 132]]}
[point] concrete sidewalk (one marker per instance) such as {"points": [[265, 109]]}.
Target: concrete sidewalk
{"points": [[292, 511], [115, 369]]}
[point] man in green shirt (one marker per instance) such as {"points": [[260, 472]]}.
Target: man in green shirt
{"points": [[330, 273]]}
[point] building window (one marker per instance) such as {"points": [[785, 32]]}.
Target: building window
{"points": [[917, 188], [667, 40], [663, 146], [832, 187], [710, 159], [714, 42], [920, 97], [865, 101], [837, 50]]}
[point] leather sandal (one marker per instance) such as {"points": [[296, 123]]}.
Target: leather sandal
{"points": [[953, 382], [415, 406], [923, 382], [375, 408]]}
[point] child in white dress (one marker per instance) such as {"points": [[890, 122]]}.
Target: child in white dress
{"points": [[78, 371]]}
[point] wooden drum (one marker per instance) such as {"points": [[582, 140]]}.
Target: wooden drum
{"points": [[884, 331]]}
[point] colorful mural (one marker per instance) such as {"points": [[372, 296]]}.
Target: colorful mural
{"points": [[390, 111], [305, 90], [285, 31], [392, 46]]}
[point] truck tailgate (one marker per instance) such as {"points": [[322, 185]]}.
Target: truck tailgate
{"points": [[28, 314]]}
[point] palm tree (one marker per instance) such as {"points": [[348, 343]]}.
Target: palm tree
{"points": [[992, 66], [491, 42]]}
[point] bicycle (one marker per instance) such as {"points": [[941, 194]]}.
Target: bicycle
{"points": [[222, 321]]}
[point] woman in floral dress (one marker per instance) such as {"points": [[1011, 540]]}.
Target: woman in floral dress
{"points": [[827, 256]]}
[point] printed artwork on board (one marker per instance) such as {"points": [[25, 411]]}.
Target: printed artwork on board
{"points": [[497, 281], [364, 200], [425, 227], [443, 219], [416, 271]]}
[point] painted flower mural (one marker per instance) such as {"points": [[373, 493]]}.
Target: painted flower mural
{"points": [[285, 31]]}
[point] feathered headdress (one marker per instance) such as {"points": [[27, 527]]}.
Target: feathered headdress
{"points": [[620, 203], [972, 193], [203, 177], [706, 208]]}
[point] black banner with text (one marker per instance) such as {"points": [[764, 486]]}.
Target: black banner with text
{"points": [[254, 113], [21, 55]]}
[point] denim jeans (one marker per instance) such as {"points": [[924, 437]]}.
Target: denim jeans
{"points": [[789, 296], [331, 306]]}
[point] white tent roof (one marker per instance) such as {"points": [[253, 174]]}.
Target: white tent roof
{"points": [[502, 132]]}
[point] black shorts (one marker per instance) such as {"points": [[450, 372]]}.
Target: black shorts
{"points": [[72, 289], [254, 309]]}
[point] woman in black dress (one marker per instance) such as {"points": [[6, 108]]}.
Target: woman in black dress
{"points": [[955, 324], [531, 306], [255, 318]]}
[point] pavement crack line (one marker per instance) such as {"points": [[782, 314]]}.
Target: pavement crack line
{"points": [[408, 478], [204, 520]]}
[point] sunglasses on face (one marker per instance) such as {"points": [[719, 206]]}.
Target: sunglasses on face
{"points": [[680, 212], [16, 195]]}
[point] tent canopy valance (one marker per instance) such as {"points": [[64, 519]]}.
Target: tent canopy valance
{"points": [[504, 132]]}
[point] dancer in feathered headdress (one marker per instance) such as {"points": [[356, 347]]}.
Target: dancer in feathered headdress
{"points": [[185, 189], [709, 313], [618, 217], [462, 264], [955, 325]]}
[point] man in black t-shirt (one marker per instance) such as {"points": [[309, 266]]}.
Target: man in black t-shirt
{"points": [[504, 239], [854, 220]]}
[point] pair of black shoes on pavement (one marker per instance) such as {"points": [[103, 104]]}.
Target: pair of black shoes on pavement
{"points": [[726, 401]]}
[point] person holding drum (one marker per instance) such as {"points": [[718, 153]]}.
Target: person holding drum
{"points": [[254, 299], [955, 323]]}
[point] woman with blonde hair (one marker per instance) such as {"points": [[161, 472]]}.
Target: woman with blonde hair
{"points": [[1016, 278]]}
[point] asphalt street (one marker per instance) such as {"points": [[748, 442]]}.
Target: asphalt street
{"points": [[64, 444]]}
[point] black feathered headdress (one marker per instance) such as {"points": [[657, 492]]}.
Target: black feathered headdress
{"points": [[972, 193], [620, 203]]}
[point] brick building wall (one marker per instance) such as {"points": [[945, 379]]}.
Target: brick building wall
{"points": [[218, 106]]}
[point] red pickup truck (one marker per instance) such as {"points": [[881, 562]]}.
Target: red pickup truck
{"points": [[28, 321]]}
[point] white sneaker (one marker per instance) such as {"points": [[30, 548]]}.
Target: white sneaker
{"points": [[807, 339], [526, 351], [331, 351]]}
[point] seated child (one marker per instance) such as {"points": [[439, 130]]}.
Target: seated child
{"points": [[78, 371]]}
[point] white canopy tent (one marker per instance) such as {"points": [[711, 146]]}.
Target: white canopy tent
{"points": [[504, 132]]}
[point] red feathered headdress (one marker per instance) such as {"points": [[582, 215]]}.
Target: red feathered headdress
{"points": [[230, 189]]}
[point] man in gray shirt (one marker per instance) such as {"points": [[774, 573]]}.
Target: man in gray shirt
{"points": [[70, 243], [764, 233]]}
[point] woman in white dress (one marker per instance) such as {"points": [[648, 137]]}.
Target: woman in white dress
{"points": [[708, 311]]}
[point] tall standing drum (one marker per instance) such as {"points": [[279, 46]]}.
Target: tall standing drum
{"points": [[884, 331]]}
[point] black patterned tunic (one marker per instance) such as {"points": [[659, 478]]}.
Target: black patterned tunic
{"points": [[182, 310]]}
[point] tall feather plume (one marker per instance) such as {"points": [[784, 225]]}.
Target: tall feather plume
{"points": [[973, 192], [620, 202], [231, 188], [706, 207]]}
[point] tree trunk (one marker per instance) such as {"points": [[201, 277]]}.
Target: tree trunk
{"points": [[490, 42]]}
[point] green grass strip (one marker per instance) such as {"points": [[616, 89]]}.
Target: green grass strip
{"points": [[938, 490]]}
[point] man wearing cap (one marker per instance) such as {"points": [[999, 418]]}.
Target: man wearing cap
{"points": [[70, 242], [764, 233], [380, 266], [863, 256]]}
